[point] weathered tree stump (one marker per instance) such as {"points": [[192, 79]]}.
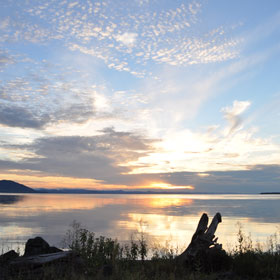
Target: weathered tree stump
{"points": [[204, 247]]}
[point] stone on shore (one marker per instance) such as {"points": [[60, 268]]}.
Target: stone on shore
{"points": [[37, 246]]}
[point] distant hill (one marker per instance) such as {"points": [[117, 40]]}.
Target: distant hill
{"points": [[7, 186]]}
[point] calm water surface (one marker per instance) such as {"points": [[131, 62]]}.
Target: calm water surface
{"points": [[165, 219]]}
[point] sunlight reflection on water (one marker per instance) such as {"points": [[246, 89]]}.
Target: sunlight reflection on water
{"points": [[163, 218]]}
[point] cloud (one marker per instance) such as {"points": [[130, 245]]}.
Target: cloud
{"points": [[256, 178], [221, 148], [237, 108], [101, 157], [5, 59], [16, 116], [4, 23], [194, 7], [74, 79], [130, 34], [131, 159], [128, 39], [142, 2], [73, 113], [13, 115], [232, 114], [48, 94], [176, 96]]}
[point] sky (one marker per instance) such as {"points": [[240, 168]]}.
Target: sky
{"points": [[141, 94]]}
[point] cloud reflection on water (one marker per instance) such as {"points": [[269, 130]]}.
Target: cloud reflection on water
{"points": [[165, 217]]}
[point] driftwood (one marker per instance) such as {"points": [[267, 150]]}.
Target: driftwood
{"points": [[35, 266], [60, 264], [203, 241], [42, 259]]}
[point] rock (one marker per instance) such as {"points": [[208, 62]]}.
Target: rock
{"points": [[37, 246], [7, 257]]}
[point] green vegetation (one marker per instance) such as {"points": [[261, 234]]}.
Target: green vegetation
{"points": [[105, 258]]}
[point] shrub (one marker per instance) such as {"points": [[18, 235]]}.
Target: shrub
{"points": [[107, 257]]}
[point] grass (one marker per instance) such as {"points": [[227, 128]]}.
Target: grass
{"points": [[17, 246], [106, 258]]}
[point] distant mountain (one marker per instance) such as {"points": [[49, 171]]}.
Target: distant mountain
{"points": [[7, 186]]}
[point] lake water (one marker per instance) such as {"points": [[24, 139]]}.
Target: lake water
{"points": [[165, 219]]}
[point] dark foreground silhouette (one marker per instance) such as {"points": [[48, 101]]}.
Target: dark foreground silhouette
{"points": [[93, 257]]}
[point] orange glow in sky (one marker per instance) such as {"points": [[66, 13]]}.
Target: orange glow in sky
{"points": [[56, 182], [170, 187]]}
